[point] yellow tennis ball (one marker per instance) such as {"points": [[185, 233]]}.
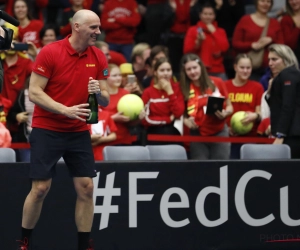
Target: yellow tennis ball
{"points": [[130, 105], [236, 124]]}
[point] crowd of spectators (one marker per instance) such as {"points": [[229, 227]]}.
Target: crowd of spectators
{"points": [[163, 43]]}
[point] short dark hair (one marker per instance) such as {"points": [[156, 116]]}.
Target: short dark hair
{"points": [[49, 26], [207, 4], [157, 49], [256, 3]]}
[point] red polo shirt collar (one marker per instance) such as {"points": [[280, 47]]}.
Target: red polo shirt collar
{"points": [[70, 49]]}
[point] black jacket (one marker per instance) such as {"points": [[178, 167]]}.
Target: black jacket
{"points": [[284, 102], [19, 106]]}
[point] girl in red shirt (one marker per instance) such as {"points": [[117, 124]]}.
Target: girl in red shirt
{"points": [[116, 92], [208, 41], [163, 101], [29, 29], [245, 95], [197, 86]]}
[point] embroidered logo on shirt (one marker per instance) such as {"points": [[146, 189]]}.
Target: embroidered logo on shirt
{"points": [[287, 83], [90, 65], [41, 68], [105, 72]]}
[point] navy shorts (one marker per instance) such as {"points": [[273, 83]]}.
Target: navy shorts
{"points": [[48, 146]]}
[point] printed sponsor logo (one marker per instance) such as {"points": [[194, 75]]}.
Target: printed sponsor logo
{"points": [[135, 179], [41, 68], [287, 83], [105, 72]]}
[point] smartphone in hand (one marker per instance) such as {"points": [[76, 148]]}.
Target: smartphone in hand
{"points": [[199, 30], [131, 79]]}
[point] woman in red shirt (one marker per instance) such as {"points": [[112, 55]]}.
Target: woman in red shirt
{"points": [[290, 25], [163, 101], [36, 5], [247, 34], [29, 29], [197, 86], [208, 41], [245, 95], [119, 20]]}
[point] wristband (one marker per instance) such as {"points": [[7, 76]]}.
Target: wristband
{"points": [[280, 135], [98, 93]]}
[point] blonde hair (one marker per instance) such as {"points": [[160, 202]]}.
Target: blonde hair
{"points": [[285, 53], [138, 50], [205, 81], [112, 66], [101, 44]]}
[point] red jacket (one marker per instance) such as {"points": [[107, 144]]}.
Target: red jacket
{"points": [[127, 18], [211, 49], [160, 106], [208, 124], [182, 17], [290, 31], [246, 32]]}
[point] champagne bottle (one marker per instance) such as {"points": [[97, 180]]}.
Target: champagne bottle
{"points": [[93, 106]]}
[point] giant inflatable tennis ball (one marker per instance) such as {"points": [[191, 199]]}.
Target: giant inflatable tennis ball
{"points": [[236, 124], [130, 105]]}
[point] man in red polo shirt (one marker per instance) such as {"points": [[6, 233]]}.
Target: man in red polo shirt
{"points": [[63, 75]]}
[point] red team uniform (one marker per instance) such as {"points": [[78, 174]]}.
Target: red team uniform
{"points": [[208, 124], [246, 32], [245, 98], [160, 106], [290, 31], [211, 50], [123, 134], [15, 77], [53, 62], [126, 17], [31, 33]]}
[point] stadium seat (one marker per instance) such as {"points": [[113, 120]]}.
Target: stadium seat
{"points": [[167, 152], [265, 151], [7, 155], [125, 153]]}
